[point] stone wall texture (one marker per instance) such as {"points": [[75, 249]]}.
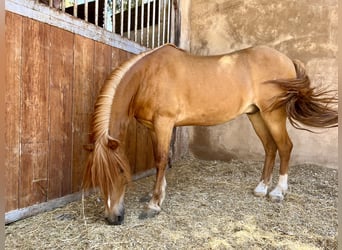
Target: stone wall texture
{"points": [[302, 29]]}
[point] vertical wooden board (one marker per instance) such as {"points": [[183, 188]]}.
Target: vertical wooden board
{"points": [[144, 149], [83, 90], [124, 56], [34, 116], [115, 58], [102, 66], [119, 56], [130, 144], [129, 55], [13, 35], [61, 77]]}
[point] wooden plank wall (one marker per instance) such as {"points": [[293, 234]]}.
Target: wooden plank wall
{"points": [[52, 80]]}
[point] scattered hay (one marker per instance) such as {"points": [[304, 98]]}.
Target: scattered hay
{"points": [[209, 205]]}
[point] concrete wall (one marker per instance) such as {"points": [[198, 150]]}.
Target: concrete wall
{"points": [[305, 29]]}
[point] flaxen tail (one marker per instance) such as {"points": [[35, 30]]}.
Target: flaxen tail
{"points": [[306, 104]]}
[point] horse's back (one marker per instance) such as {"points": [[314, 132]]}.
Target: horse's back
{"points": [[207, 90]]}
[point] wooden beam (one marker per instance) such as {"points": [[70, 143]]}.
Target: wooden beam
{"points": [[83, 105], [60, 107], [26, 212], [12, 92], [33, 177], [44, 14], [20, 214]]}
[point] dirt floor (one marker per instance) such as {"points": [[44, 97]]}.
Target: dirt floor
{"points": [[209, 205]]}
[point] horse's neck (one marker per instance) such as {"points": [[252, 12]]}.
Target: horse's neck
{"points": [[120, 112], [118, 126]]}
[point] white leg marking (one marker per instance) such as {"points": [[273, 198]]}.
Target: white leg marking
{"points": [[278, 193], [155, 204], [261, 189], [163, 189]]}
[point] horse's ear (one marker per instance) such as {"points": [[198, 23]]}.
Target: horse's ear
{"points": [[89, 147], [113, 143]]}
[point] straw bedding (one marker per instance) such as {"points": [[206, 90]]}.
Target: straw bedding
{"points": [[209, 205]]}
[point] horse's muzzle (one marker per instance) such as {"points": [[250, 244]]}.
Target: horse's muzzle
{"points": [[116, 219]]}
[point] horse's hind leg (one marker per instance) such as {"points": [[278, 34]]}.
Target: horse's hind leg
{"points": [[270, 148], [161, 137], [276, 122]]}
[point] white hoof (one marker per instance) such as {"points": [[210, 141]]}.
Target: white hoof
{"points": [[261, 189], [277, 194], [153, 206]]}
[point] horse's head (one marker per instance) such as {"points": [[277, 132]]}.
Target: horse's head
{"points": [[108, 169]]}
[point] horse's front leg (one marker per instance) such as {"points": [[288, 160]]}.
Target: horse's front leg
{"points": [[161, 137]]}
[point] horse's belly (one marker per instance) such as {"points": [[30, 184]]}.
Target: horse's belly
{"points": [[207, 116]]}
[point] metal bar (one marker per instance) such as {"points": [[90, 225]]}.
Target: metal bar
{"points": [[75, 8], [96, 12], [153, 22], [168, 20], [136, 21], [105, 15], [148, 24], [129, 20], [29, 9], [173, 22], [122, 17], [63, 5], [113, 15], [86, 10], [164, 20], [159, 10], [142, 24]]}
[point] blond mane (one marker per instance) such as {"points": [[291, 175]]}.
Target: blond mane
{"points": [[103, 104]]}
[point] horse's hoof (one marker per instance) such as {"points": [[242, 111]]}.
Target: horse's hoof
{"points": [[258, 193], [148, 213], [261, 190], [146, 198], [277, 198], [277, 195]]}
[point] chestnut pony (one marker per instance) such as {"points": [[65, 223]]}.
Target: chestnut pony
{"points": [[167, 87]]}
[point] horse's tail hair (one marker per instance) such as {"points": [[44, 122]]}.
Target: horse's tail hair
{"points": [[311, 106], [104, 166]]}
